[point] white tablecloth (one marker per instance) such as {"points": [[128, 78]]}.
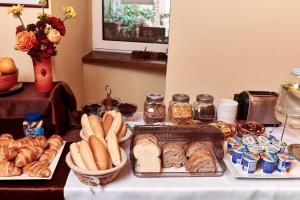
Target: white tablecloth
{"points": [[127, 186]]}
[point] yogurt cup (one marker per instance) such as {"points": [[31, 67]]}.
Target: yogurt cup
{"points": [[269, 163], [280, 144], [256, 149], [231, 141], [249, 140], [262, 140], [249, 162], [284, 162], [237, 154]]}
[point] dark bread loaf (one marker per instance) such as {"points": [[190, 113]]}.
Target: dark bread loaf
{"points": [[201, 160], [173, 155]]}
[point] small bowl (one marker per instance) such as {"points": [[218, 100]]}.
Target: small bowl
{"points": [[8, 81], [92, 108], [250, 128], [127, 109], [100, 177]]}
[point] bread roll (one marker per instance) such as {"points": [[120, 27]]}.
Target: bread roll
{"points": [[76, 157], [111, 112], [113, 149], [86, 127], [122, 131], [96, 126], [107, 121], [99, 152], [87, 156]]}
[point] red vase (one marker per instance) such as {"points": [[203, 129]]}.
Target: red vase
{"points": [[43, 74]]}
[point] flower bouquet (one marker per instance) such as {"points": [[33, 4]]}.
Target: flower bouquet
{"points": [[39, 40]]}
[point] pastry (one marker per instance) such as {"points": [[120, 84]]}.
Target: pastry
{"points": [[55, 142], [9, 169], [173, 155], [99, 152], [7, 154], [6, 136], [86, 126], [37, 169], [40, 141], [107, 121], [48, 156], [122, 131], [27, 155]]}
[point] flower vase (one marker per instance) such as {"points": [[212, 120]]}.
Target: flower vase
{"points": [[43, 74]]}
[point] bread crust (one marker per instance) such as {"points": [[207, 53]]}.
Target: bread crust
{"points": [[99, 152], [87, 156]]}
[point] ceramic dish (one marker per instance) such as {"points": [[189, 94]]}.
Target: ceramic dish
{"points": [[52, 167], [12, 90]]}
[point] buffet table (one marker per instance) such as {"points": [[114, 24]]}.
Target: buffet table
{"points": [[58, 108], [127, 186]]}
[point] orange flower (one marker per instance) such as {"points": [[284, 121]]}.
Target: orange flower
{"points": [[25, 40]]}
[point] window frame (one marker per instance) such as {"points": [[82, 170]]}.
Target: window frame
{"points": [[118, 46]]}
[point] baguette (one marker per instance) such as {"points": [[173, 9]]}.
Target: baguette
{"points": [[86, 127], [96, 126], [87, 155], [113, 149], [76, 157], [99, 152], [107, 121], [122, 131], [116, 124]]}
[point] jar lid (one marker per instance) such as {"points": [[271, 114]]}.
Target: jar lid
{"points": [[205, 98], [183, 98], [296, 71], [154, 97], [33, 117]]}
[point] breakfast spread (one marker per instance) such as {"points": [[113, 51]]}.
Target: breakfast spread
{"points": [[31, 156]]}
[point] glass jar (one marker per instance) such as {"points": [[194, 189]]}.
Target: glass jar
{"points": [[288, 102], [204, 109], [154, 109], [180, 108]]}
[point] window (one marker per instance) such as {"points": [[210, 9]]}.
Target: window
{"points": [[126, 25]]}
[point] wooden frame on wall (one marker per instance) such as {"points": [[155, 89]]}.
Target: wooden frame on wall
{"points": [[26, 3]]}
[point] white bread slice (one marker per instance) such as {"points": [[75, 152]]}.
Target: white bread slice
{"points": [[146, 150], [145, 136], [148, 165]]}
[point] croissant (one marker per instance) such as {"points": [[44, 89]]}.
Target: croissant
{"points": [[9, 169], [27, 155], [27, 142], [7, 136], [48, 156], [7, 154], [15, 144], [4, 142], [38, 169], [55, 141]]}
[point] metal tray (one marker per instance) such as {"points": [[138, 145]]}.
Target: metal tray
{"points": [[212, 137]]}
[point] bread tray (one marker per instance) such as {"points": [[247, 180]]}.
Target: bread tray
{"points": [[211, 136], [52, 168]]}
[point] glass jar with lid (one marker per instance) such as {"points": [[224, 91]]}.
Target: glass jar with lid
{"points": [[154, 108], [287, 108], [180, 108], [204, 109]]}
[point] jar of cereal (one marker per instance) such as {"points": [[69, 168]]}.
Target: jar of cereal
{"points": [[154, 108]]}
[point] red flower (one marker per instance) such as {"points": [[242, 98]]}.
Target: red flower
{"points": [[57, 24], [19, 29]]}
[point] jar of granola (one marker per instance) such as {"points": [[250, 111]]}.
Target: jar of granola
{"points": [[180, 108], [154, 108]]}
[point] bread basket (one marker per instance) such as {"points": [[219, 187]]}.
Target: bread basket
{"points": [[95, 178]]}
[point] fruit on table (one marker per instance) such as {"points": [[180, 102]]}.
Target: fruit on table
{"points": [[7, 66]]}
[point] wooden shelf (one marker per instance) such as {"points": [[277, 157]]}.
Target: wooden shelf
{"points": [[122, 60]]}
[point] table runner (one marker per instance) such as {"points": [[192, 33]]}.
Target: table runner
{"points": [[58, 107], [127, 186]]}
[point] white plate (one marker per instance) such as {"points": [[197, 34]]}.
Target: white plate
{"points": [[123, 139], [237, 172], [52, 167]]}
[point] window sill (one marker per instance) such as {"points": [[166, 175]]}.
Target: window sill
{"points": [[122, 60]]}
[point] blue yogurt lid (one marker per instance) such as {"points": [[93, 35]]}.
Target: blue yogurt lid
{"points": [[33, 117]]}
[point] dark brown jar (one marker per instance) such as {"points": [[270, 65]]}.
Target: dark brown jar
{"points": [[154, 108], [204, 109]]}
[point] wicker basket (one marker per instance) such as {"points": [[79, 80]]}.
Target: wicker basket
{"points": [[94, 178]]}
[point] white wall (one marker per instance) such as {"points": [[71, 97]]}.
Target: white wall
{"points": [[225, 47]]}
